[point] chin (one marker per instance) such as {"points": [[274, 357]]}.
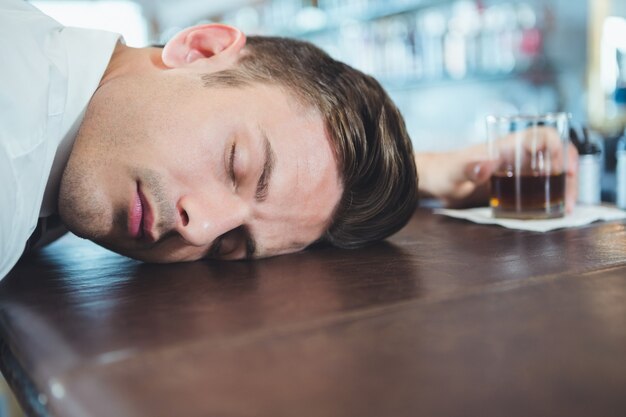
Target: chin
{"points": [[86, 227], [82, 210]]}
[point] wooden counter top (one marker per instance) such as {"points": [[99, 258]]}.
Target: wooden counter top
{"points": [[448, 318]]}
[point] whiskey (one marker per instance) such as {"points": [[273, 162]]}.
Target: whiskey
{"points": [[528, 196]]}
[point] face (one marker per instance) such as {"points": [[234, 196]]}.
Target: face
{"points": [[165, 169]]}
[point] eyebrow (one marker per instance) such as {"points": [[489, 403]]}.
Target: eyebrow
{"points": [[262, 187]]}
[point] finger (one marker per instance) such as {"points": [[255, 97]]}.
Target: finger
{"points": [[543, 137], [479, 172], [465, 164], [542, 146], [571, 184], [572, 160]]}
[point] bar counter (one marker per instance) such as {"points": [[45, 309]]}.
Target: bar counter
{"points": [[446, 318]]}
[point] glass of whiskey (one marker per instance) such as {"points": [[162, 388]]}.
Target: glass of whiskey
{"points": [[530, 156]]}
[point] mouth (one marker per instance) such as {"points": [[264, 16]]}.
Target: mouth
{"points": [[141, 218]]}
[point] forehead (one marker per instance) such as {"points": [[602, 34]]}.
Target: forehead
{"points": [[305, 187]]}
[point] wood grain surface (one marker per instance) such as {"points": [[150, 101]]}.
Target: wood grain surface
{"points": [[447, 318]]}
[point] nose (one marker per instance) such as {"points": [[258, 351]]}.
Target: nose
{"points": [[204, 218]]}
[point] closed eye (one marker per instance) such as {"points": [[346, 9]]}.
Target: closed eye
{"points": [[231, 163]]}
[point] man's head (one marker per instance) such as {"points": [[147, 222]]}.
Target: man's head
{"points": [[215, 148]]}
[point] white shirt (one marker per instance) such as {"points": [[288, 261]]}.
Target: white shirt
{"points": [[47, 77]]}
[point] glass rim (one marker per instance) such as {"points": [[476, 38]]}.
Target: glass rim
{"points": [[551, 116]]}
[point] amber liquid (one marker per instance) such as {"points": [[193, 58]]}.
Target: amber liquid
{"points": [[528, 196]]}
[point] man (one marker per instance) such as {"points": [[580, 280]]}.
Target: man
{"points": [[211, 147]]}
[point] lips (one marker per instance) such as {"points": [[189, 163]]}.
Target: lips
{"points": [[135, 217], [148, 217], [141, 218]]}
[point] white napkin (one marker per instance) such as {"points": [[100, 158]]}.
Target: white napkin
{"points": [[580, 216]]}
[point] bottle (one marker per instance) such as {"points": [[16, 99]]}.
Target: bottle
{"points": [[620, 173], [589, 171]]}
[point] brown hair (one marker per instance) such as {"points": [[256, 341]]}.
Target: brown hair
{"points": [[367, 133]]}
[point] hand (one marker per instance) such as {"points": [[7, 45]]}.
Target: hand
{"points": [[571, 183], [460, 178]]}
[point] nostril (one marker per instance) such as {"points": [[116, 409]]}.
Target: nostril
{"points": [[184, 217]]}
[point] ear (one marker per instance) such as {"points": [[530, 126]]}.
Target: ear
{"points": [[203, 42]]}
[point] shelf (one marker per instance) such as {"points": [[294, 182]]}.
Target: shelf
{"points": [[532, 76], [380, 10]]}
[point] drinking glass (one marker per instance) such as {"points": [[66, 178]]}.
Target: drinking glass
{"points": [[530, 157]]}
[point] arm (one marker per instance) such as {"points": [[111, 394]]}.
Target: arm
{"points": [[460, 178]]}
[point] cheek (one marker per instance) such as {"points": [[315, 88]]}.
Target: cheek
{"points": [[189, 170], [83, 201], [192, 159]]}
